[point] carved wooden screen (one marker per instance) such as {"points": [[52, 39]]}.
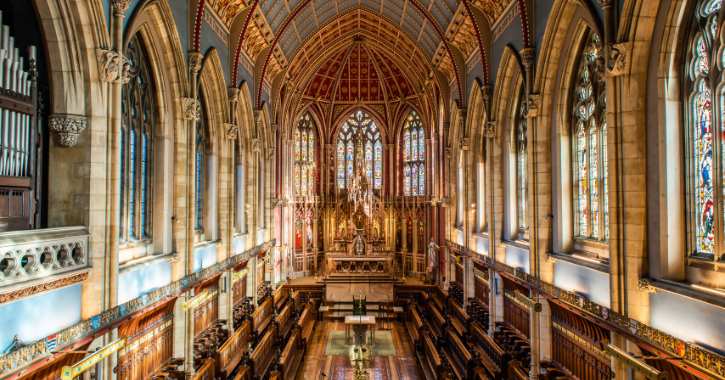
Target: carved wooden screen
{"points": [[19, 137], [578, 344], [208, 312], [513, 312], [149, 343]]}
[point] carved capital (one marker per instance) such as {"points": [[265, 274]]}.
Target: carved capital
{"points": [[191, 108], [527, 57], [232, 131], [120, 7], [256, 145], [620, 59], [645, 285], [195, 59], [233, 95], [465, 143], [114, 67], [67, 127], [490, 130]]}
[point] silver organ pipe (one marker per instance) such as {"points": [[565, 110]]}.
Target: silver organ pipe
{"points": [[18, 133]]}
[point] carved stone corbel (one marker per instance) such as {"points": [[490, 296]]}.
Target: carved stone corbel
{"points": [[195, 59], [533, 105], [231, 131], [67, 127], [191, 108], [645, 285], [620, 59], [466, 143], [490, 129], [114, 67]]}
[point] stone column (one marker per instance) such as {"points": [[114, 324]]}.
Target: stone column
{"points": [[192, 113]]}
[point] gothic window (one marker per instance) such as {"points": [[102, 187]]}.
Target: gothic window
{"points": [[589, 144], [138, 108], [359, 123], [304, 151], [413, 156], [522, 183], [240, 191], [201, 142], [704, 65], [460, 205]]}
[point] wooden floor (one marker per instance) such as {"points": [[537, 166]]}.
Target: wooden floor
{"points": [[317, 366]]}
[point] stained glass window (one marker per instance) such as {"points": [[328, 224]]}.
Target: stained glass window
{"points": [[589, 149], [521, 153], [359, 122], [304, 153], [139, 115], [703, 64], [200, 169], [413, 156]]}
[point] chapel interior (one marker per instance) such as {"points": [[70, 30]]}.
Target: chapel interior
{"points": [[362, 189]]}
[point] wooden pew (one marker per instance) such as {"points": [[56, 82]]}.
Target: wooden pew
{"points": [[430, 358], [491, 356], [285, 321], [306, 321], [291, 357], [281, 296], [516, 371], [206, 371], [231, 352], [262, 357], [414, 323], [262, 316], [458, 317], [458, 356]]}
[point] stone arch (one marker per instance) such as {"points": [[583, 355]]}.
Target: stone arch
{"points": [[568, 21], [667, 226], [509, 84]]}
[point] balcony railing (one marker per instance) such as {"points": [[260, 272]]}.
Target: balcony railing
{"points": [[38, 254]]}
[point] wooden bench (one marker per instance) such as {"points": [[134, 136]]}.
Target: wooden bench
{"points": [[231, 352]]}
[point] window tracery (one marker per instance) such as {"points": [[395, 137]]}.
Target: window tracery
{"points": [[413, 156], [704, 106], [139, 116], [359, 122], [304, 156], [201, 142], [521, 155], [589, 144]]}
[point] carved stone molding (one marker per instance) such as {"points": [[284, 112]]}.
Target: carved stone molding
{"points": [[620, 59], [231, 131], [114, 67], [67, 127], [38, 254], [43, 287], [192, 109]]}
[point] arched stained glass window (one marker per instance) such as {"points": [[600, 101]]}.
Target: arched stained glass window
{"points": [[589, 144], [704, 106], [413, 156], [522, 183], [139, 115], [200, 170], [304, 151], [359, 123]]}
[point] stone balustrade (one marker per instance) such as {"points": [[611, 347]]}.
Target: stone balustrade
{"points": [[44, 253]]}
